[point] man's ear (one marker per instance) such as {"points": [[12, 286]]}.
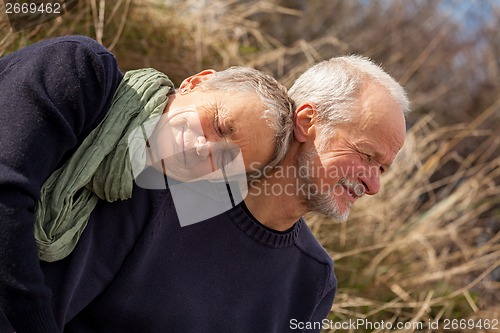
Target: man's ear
{"points": [[193, 81], [304, 122]]}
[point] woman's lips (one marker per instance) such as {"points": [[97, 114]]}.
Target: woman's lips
{"points": [[183, 147]]}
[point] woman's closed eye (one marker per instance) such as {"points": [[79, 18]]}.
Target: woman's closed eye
{"points": [[217, 124]]}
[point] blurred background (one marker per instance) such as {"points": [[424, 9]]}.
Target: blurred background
{"points": [[427, 248]]}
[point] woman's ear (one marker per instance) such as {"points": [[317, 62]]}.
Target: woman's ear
{"points": [[193, 81], [304, 122]]}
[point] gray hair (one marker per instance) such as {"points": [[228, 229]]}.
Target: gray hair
{"points": [[334, 84], [280, 107]]}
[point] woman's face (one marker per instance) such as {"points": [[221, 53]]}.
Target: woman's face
{"points": [[211, 134]]}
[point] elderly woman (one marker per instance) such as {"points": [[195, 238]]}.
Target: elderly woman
{"points": [[65, 105]]}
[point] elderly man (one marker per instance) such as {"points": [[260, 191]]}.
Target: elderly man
{"points": [[348, 127]]}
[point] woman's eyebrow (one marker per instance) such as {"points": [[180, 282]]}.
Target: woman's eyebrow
{"points": [[228, 121]]}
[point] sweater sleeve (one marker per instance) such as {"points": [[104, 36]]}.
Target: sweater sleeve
{"points": [[52, 94], [325, 305]]}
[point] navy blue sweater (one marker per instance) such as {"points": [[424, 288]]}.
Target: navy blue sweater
{"points": [[135, 269], [52, 94]]}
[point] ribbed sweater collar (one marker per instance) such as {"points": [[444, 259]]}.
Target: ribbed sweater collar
{"points": [[262, 234]]}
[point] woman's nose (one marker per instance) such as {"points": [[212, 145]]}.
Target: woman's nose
{"points": [[202, 147]]}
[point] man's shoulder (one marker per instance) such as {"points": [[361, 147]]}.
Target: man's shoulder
{"points": [[310, 246]]}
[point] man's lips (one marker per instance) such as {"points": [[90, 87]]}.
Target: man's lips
{"points": [[351, 192]]}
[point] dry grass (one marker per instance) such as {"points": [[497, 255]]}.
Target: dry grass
{"points": [[427, 247], [424, 249]]}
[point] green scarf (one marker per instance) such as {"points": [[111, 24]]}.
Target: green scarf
{"points": [[100, 168]]}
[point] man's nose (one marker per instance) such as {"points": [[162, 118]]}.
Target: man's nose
{"points": [[370, 181]]}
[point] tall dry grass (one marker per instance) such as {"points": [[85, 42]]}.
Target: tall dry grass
{"points": [[423, 250], [426, 248]]}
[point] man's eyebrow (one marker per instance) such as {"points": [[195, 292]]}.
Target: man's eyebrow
{"points": [[369, 149]]}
